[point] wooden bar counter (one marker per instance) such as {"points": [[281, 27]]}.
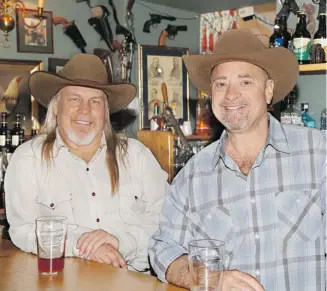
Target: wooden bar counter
{"points": [[18, 272]]}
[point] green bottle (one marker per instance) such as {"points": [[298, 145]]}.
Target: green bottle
{"points": [[301, 40]]}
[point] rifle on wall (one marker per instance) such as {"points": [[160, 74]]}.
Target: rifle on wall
{"points": [[127, 49], [170, 32], [72, 31], [288, 7]]}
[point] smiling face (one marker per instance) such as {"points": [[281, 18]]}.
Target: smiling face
{"points": [[240, 94], [80, 115]]}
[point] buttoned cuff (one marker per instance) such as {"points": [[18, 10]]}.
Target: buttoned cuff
{"points": [[165, 258], [127, 246]]}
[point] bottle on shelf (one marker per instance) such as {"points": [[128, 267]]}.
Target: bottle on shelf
{"points": [[202, 119], [155, 122], [8, 149], [323, 119], [306, 118], [281, 37], [5, 132], [17, 132], [291, 115], [301, 40], [320, 41]]}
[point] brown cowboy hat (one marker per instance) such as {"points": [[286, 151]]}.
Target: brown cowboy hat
{"points": [[243, 45], [83, 70]]}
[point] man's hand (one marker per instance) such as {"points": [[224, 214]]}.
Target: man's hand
{"points": [[89, 242], [107, 254], [239, 281]]}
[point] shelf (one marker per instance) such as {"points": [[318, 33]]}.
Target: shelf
{"points": [[313, 67], [198, 137]]}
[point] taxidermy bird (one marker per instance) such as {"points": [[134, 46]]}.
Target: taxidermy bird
{"points": [[9, 98]]}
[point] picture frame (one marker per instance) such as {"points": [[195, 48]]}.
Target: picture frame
{"points": [[14, 75], [32, 38], [158, 64], [55, 65]]}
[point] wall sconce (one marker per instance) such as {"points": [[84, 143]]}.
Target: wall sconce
{"points": [[7, 22]]}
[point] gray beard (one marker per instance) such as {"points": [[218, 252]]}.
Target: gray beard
{"points": [[81, 140]]}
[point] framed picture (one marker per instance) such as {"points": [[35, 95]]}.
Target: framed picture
{"points": [[15, 95], [55, 65], [159, 65], [34, 35]]}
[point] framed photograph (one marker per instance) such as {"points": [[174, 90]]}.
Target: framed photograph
{"points": [[15, 95], [55, 65], [159, 65], [34, 35]]}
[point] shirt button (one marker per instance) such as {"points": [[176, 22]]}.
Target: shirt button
{"points": [[298, 201], [257, 272], [51, 205], [98, 219], [87, 169], [93, 194], [257, 236], [252, 200]]}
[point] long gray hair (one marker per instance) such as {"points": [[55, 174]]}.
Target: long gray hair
{"points": [[115, 143]]}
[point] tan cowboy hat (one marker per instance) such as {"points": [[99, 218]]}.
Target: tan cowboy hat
{"points": [[83, 70], [243, 45]]}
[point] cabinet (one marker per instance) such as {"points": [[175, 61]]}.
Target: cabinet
{"points": [[162, 144]]}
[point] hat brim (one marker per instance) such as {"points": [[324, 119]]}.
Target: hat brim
{"points": [[45, 85], [280, 64]]}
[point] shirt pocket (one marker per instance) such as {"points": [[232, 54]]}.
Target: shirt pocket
{"points": [[131, 204], [299, 215], [213, 223], [55, 205]]}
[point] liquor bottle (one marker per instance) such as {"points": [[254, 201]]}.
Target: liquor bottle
{"points": [[275, 38], [306, 118], [202, 117], [155, 122], [287, 38], [33, 132], [291, 115], [16, 132], [4, 130], [8, 149], [323, 120], [2, 190], [320, 35], [301, 40], [281, 37]]}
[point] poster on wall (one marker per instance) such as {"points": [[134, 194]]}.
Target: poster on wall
{"points": [[212, 25]]}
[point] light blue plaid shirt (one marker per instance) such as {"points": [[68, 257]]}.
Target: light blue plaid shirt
{"points": [[274, 218]]}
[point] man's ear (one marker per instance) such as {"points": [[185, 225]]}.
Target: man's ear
{"points": [[269, 91]]}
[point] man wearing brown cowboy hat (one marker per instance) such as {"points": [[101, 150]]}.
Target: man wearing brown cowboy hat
{"points": [[261, 188], [79, 168]]}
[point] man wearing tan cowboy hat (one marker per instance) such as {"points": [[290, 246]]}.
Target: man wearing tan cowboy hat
{"points": [[261, 188], [109, 187]]}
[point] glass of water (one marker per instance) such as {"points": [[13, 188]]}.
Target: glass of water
{"points": [[206, 263]]}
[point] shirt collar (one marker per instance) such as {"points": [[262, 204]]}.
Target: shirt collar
{"points": [[276, 138]]}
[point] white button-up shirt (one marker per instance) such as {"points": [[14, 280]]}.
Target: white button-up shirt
{"points": [[82, 192]]}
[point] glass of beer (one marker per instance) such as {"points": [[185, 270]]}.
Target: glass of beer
{"points": [[51, 232], [206, 263]]}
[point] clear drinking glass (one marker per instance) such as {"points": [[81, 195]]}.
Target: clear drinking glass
{"points": [[206, 263], [51, 233]]}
